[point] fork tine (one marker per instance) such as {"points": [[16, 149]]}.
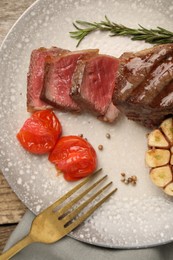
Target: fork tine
{"points": [[79, 197], [77, 222], [76, 211], [69, 193]]}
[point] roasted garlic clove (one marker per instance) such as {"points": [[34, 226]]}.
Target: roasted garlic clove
{"points": [[161, 176], [167, 128], [169, 189], [157, 157], [157, 139]]}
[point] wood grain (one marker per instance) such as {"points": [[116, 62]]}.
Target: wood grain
{"points": [[10, 11], [5, 232], [11, 211], [11, 208]]}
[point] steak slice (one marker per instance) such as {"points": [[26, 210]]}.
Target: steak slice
{"points": [[58, 79], [144, 87], [93, 84], [35, 76]]}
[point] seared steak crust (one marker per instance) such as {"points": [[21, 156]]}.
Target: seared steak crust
{"points": [[144, 86]]}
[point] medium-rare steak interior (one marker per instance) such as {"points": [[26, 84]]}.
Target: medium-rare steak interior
{"points": [[93, 85], [144, 85], [140, 84], [72, 81], [35, 77], [58, 79]]}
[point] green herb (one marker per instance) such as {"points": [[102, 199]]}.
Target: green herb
{"points": [[154, 36]]}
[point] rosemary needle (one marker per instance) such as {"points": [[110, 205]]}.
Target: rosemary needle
{"points": [[154, 36]]}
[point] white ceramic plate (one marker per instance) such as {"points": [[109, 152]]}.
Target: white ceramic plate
{"points": [[138, 216]]}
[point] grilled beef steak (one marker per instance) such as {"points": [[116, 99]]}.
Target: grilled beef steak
{"points": [[58, 79], [35, 76], [144, 85], [93, 84]]}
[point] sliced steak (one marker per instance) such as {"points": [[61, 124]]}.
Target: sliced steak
{"points": [[58, 79], [35, 76], [144, 85], [93, 84]]}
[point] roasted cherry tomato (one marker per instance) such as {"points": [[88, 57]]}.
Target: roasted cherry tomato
{"points": [[74, 156], [40, 132]]}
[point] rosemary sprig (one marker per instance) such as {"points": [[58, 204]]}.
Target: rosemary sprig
{"points": [[154, 36]]}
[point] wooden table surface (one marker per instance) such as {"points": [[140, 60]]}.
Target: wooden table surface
{"points": [[11, 208]]}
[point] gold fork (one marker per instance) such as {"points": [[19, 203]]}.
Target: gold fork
{"points": [[51, 224]]}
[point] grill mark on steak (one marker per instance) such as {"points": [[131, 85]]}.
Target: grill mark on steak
{"points": [[135, 68], [160, 76], [165, 97], [144, 94]]}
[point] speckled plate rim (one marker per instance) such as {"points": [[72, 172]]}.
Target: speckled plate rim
{"points": [[5, 40]]}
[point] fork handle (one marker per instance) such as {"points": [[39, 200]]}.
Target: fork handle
{"points": [[16, 248]]}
